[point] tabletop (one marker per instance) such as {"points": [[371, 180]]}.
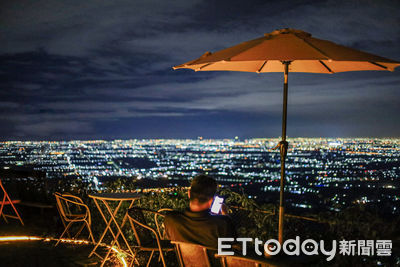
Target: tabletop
{"points": [[116, 196]]}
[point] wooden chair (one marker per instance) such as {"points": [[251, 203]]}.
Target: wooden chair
{"points": [[147, 238], [194, 255], [246, 261], [6, 200], [73, 210]]}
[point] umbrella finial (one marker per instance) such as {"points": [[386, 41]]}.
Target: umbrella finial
{"points": [[299, 33], [206, 54]]}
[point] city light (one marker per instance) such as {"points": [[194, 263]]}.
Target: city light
{"points": [[320, 171]]}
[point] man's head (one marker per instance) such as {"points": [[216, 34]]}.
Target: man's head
{"points": [[202, 191]]}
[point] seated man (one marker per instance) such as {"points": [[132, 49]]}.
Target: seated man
{"points": [[196, 224]]}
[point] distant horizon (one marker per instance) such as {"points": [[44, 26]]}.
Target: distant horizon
{"points": [[198, 138]]}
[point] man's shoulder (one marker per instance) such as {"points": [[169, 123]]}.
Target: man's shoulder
{"points": [[173, 215]]}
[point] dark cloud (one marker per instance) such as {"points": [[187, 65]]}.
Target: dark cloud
{"points": [[102, 69]]}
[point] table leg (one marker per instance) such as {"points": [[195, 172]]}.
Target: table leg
{"points": [[118, 234], [114, 241], [111, 246], [118, 227], [108, 227]]}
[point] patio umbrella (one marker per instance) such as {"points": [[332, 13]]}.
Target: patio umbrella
{"points": [[288, 50]]}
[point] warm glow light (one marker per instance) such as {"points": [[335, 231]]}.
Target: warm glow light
{"points": [[19, 238], [63, 240], [121, 258]]}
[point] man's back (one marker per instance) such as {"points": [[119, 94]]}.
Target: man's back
{"points": [[198, 227]]}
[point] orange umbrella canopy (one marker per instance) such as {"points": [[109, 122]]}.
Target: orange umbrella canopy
{"points": [[289, 50], [306, 54]]}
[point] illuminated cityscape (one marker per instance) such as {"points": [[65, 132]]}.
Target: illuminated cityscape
{"points": [[321, 173], [109, 109]]}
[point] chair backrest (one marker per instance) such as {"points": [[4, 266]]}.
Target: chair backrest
{"points": [[6, 200], [3, 189], [143, 232], [61, 206], [193, 255], [159, 220], [242, 261], [69, 205], [5, 197]]}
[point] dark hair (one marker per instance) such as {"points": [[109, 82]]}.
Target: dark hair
{"points": [[203, 188]]}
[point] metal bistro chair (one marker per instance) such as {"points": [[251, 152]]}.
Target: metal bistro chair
{"points": [[6, 200], [73, 210], [147, 238], [194, 255]]}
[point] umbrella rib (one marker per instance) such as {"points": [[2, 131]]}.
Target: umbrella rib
{"points": [[379, 65], [206, 65], [206, 54], [260, 69], [187, 64], [316, 48], [323, 64]]}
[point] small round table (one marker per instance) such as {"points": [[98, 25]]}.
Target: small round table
{"points": [[105, 198]]}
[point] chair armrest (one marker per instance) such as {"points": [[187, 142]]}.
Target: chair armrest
{"points": [[164, 209], [188, 243], [162, 235]]}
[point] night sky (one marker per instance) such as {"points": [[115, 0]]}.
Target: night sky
{"points": [[99, 69]]}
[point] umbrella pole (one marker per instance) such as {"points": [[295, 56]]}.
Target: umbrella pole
{"points": [[283, 145]]}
